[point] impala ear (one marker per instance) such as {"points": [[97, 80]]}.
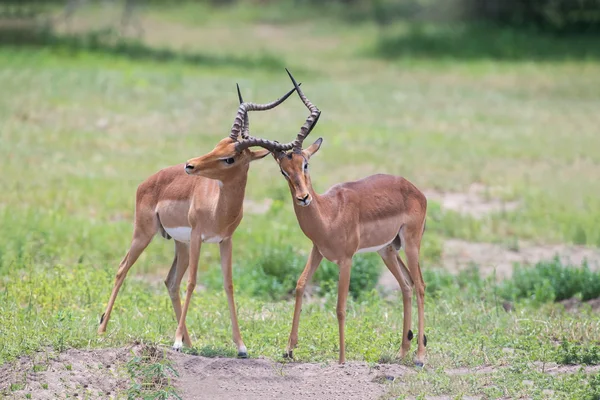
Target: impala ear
{"points": [[313, 148], [258, 154]]}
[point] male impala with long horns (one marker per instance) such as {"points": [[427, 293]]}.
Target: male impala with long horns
{"points": [[380, 213], [205, 208]]}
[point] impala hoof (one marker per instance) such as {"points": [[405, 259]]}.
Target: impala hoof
{"points": [[288, 354], [242, 354], [418, 363], [177, 346]]}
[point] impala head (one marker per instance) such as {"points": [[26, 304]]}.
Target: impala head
{"points": [[224, 160], [294, 167], [232, 155], [294, 163]]}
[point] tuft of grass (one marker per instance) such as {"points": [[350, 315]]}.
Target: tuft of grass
{"points": [[151, 372]]}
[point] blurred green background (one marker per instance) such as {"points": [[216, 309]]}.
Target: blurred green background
{"points": [[503, 96]]}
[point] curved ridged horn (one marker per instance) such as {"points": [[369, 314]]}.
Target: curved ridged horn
{"points": [[311, 121], [245, 107], [246, 127]]}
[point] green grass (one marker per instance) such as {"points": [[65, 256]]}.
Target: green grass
{"points": [[82, 126]]}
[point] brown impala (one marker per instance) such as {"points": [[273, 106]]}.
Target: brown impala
{"points": [[380, 213], [205, 208]]}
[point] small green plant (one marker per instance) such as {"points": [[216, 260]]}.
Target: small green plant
{"points": [[39, 367], [45, 386], [16, 386]]}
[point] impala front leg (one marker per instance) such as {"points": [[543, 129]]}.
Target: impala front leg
{"points": [[314, 259], [226, 251], [195, 244], [343, 288]]}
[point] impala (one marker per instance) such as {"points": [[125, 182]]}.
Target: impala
{"points": [[204, 208], [380, 213]]}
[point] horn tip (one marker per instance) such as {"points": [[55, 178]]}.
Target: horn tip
{"points": [[239, 93], [291, 77]]}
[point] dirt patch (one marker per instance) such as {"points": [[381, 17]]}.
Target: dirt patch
{"points": [[89, 374], [477, 202], [459, 254], [100, 374], [223, 378]]}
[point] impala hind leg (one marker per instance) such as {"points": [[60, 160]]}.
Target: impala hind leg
{"points": [[393, 262], [194, 251], [142, 236], [412, 249], [173, 283], [314, 259]]}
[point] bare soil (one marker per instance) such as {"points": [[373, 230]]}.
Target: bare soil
{"points": [[100, 374], [91, 374], [459, 254], [477, 202], [492, 258]]}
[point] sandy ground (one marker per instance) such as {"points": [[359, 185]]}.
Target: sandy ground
{"points": [[101, 374], [92, 374]]}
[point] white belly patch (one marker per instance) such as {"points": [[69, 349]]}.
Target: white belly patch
{"points": [[180, 233], [374, 248], [211, 239], [183, 233]]}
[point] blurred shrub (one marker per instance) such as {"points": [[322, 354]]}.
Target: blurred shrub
{"points": [[271, 274], [366, 269], [573, 353], [551, 281], [559, 16], [439, 281]]}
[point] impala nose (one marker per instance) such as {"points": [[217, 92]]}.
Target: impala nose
{"points": [[304, 200]]}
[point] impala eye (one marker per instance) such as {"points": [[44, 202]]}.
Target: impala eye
{"points": [[306, 166], [229, 161]]}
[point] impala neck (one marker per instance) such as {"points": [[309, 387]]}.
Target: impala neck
{"points": [[231, 197], [311, 218]]}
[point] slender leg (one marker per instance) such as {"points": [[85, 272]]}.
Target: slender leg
{"points": [[398, 269], [412, 257], [314, 259], [141, 240], [173, 283], [195, 245], [343, 288], [226, 251]]}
